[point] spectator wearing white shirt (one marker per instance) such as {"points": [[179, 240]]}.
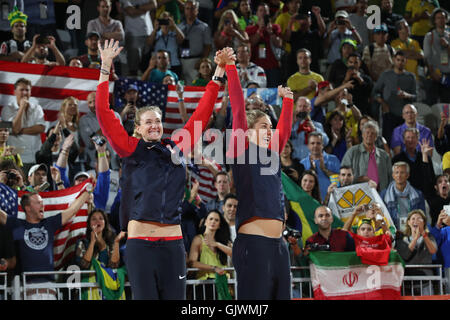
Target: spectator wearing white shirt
{"points": [[27, 123], [248, 71], [138, 26]]}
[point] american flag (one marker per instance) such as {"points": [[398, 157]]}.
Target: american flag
{"points": [[8, 199], [65, 238], [166, 98], [205, 178], [50, 85]]}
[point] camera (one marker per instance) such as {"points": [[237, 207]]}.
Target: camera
{"points": [[340, 22], [302, 115], [98, 140], [163, 22], [319, 247], [292, 233], [11, 175]]}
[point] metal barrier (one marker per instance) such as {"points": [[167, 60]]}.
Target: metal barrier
{"points": [[422, 285], [3, 285], [72, 288]]}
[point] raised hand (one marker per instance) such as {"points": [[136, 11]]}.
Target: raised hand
{"points": [[425, 146], [285, 92], [110, 50], [225, 56]]}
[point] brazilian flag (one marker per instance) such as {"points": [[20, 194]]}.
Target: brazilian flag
{"points": [[111, 282], [304, 205]]}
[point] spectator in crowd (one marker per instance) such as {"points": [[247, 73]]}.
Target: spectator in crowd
{"points": [[245, 14], [249, 73], [324, 164], [389, 19], [437, 194], [338, 68], [15, 48], [104, 25], [411, 48], [27, 123], [75, 62], [325, 94], [443, 135], [400, 196], [418, 14], [13, 178], [441, 233], [37, 176], [138, 26], [303, 126], [197, 42], [344, 104], [309, 182], [392, 91], [92, 58], [102, 178], [369, 162], [35, 236], [327, 238], [359, 20], [291, 166], [8, 152], [88, 126], [229, 208], [222, 185], [156, 72], [417, 246], [380, 141], [256, 102], [340, 28], [417, 156], [306, 38], [167, 36], [338, 134], [436, 49], [265, 41], [228, 33], [132, 103], [379, 55], [10, 9], [304, 82], [205, 72], [345, 179], [409, 114], [362, 83], [291, 8], [99, 243], [210, 248], [38, 53]]}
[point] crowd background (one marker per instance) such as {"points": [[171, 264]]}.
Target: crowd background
{"points": [[359, 93]]}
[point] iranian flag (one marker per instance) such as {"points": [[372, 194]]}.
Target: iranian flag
{"points": [[342, 276]]}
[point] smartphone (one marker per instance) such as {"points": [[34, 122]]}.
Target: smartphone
{"points": [[44, 186], [266, 19], [447, 210], [98, 140], [163, 22], [5, 124], [446, 110]]}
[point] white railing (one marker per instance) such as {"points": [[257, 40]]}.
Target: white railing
{"points": [[68, 285]]}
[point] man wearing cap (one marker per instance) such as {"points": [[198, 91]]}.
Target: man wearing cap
{"points": [[338, 68], [38, 53], [378, 56], [14, 49], [341, 28], [27, 123], [104, 25], [92, 58], [127, 113]]}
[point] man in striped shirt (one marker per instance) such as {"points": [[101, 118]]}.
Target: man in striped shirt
{"points": [[249, 73]]}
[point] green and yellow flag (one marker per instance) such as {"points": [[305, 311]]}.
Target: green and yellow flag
{"points": [[304, 205]]}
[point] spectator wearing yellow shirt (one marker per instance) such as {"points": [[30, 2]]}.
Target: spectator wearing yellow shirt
{"points": [[411, 48], [418, 13], [304, 82], [283, 21], [8, 152], [446, 161]]}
